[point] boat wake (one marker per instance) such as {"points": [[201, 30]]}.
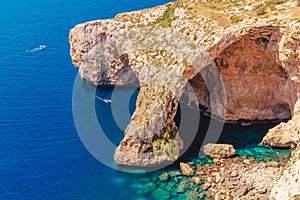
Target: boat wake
{"points": [[37, 49]]}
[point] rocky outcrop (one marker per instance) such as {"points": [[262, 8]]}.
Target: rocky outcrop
{"points": [[218, 150], [288, 185], [285, 135], [186, 169], [225, 178], [168, 47], [242, 181], [256, 84]]}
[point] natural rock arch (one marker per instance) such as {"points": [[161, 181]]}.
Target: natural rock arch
{"points": [[256, 84]]}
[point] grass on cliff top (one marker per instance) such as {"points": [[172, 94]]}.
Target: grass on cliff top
{"points": [[215, 10], [228, 12], [166, 19], [261, 8]]}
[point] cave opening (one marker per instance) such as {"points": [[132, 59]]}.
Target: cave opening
{"points": [[245, 139], [258, 93]]}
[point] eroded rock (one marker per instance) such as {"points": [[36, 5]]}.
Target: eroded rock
{"points": [[288, 185], [218, 150], [286, 134], [198, 180], [257, 57], [186, 169]]}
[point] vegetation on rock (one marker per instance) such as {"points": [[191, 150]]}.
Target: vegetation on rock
{"points": [[166, 19]]}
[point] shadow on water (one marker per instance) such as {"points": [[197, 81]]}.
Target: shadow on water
{"points": [[113, 123], [243, 138]]}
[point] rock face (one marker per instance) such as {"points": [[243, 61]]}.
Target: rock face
{"points": [[288, 185], [285, 135], [218, 150], [255, 82], [166, 48]]}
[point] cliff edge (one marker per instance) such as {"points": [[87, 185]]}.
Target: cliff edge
{"points": [[254, 45]]}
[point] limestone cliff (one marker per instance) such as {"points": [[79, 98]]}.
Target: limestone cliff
{"points": [[255, 47], [253, 44]]}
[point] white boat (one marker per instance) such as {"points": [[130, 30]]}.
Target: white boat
{"points": [[105, 100]]}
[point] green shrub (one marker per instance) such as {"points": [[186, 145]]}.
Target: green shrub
{"points": [[261, 9], [166, 19], [235, 19]]}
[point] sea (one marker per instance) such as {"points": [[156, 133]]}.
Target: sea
{"points": [[41, 153]]}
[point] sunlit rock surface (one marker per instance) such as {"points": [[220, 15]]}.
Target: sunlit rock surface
{"points": [[254, 46]]}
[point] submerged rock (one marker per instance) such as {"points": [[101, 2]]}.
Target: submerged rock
{"points": [[146, 189], [192, 195], [218, 150], [183, 186], [201, 196], [164, 177], [160, 194], [233, 180]]}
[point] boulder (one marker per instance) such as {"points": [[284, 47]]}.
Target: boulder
{"points": [[218, 150], [286, 134], [197, 180], [186, 169], [205, 186]]}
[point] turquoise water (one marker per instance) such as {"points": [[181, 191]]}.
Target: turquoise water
{"points": [[246, 140], [41, 155], [150, 186]]}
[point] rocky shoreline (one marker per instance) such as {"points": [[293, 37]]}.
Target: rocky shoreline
{"points": [[249, 51], [219, 178], [165, 48]]}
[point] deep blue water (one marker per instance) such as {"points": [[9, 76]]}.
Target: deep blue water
{"points": [[41, 155]]}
